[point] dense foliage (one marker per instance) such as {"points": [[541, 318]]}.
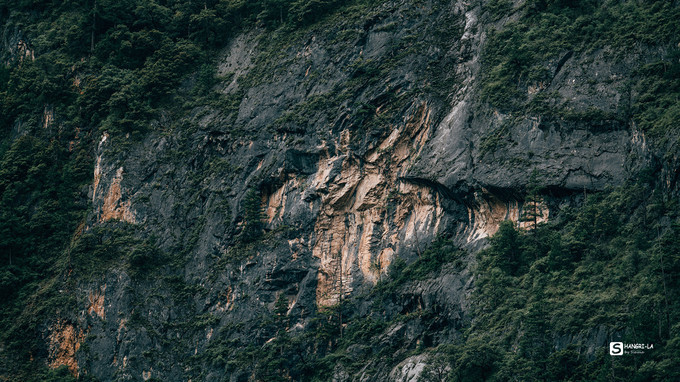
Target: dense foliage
{"points": [[544, 296], [337, 336], [110, 64], [525, 52], [89, 66], [70, 71], [611, 265]]}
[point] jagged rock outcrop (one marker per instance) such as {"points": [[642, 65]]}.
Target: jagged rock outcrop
{"points": [[365, 139]]}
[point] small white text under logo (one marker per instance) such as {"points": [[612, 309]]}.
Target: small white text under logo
{"points": [[620, 348]]}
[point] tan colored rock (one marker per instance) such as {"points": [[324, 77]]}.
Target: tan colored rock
{"points": [[48, 116], [64, 342], [96, 303], [98, 168], [276, 202], [356, 235], [114, 208], [355, 231], [490, 212]]}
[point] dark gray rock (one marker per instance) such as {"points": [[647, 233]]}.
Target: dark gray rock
{"points": [[342, 195]]}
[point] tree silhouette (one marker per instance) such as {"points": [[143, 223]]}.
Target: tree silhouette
{"points": [[252, 206], [533, 208]]}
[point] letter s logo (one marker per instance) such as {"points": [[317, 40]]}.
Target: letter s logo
{"points": [[616, 348]]}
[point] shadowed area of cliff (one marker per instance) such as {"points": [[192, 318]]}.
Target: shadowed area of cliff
{"points": [[394, 190]]}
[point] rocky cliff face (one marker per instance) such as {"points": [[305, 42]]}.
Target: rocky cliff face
{"points": [[364, 138]]}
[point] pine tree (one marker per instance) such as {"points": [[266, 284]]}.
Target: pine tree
{"points": [[281, 306], [252, 206], [532, 203], [507, 248]]}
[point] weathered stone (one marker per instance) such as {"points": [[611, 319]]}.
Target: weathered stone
{"points": [[340, 202]]}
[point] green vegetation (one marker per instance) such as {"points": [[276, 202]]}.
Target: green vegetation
{"points": [[35, 300], [440, 252], [93, 252], [600, 267], [84, 67], [314, 354], [657, 109], [541, 297], [498, 8], [61, 374], [105, 65], [41, 207], [252, 217], [533, 203], [519, 53], [495, 139], [112, 64], [367, 114]]}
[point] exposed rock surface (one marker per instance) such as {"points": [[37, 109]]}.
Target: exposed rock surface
{"points": [[348, 184]]}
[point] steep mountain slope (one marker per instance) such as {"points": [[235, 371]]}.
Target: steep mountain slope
{"points": [[315, 201]]}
